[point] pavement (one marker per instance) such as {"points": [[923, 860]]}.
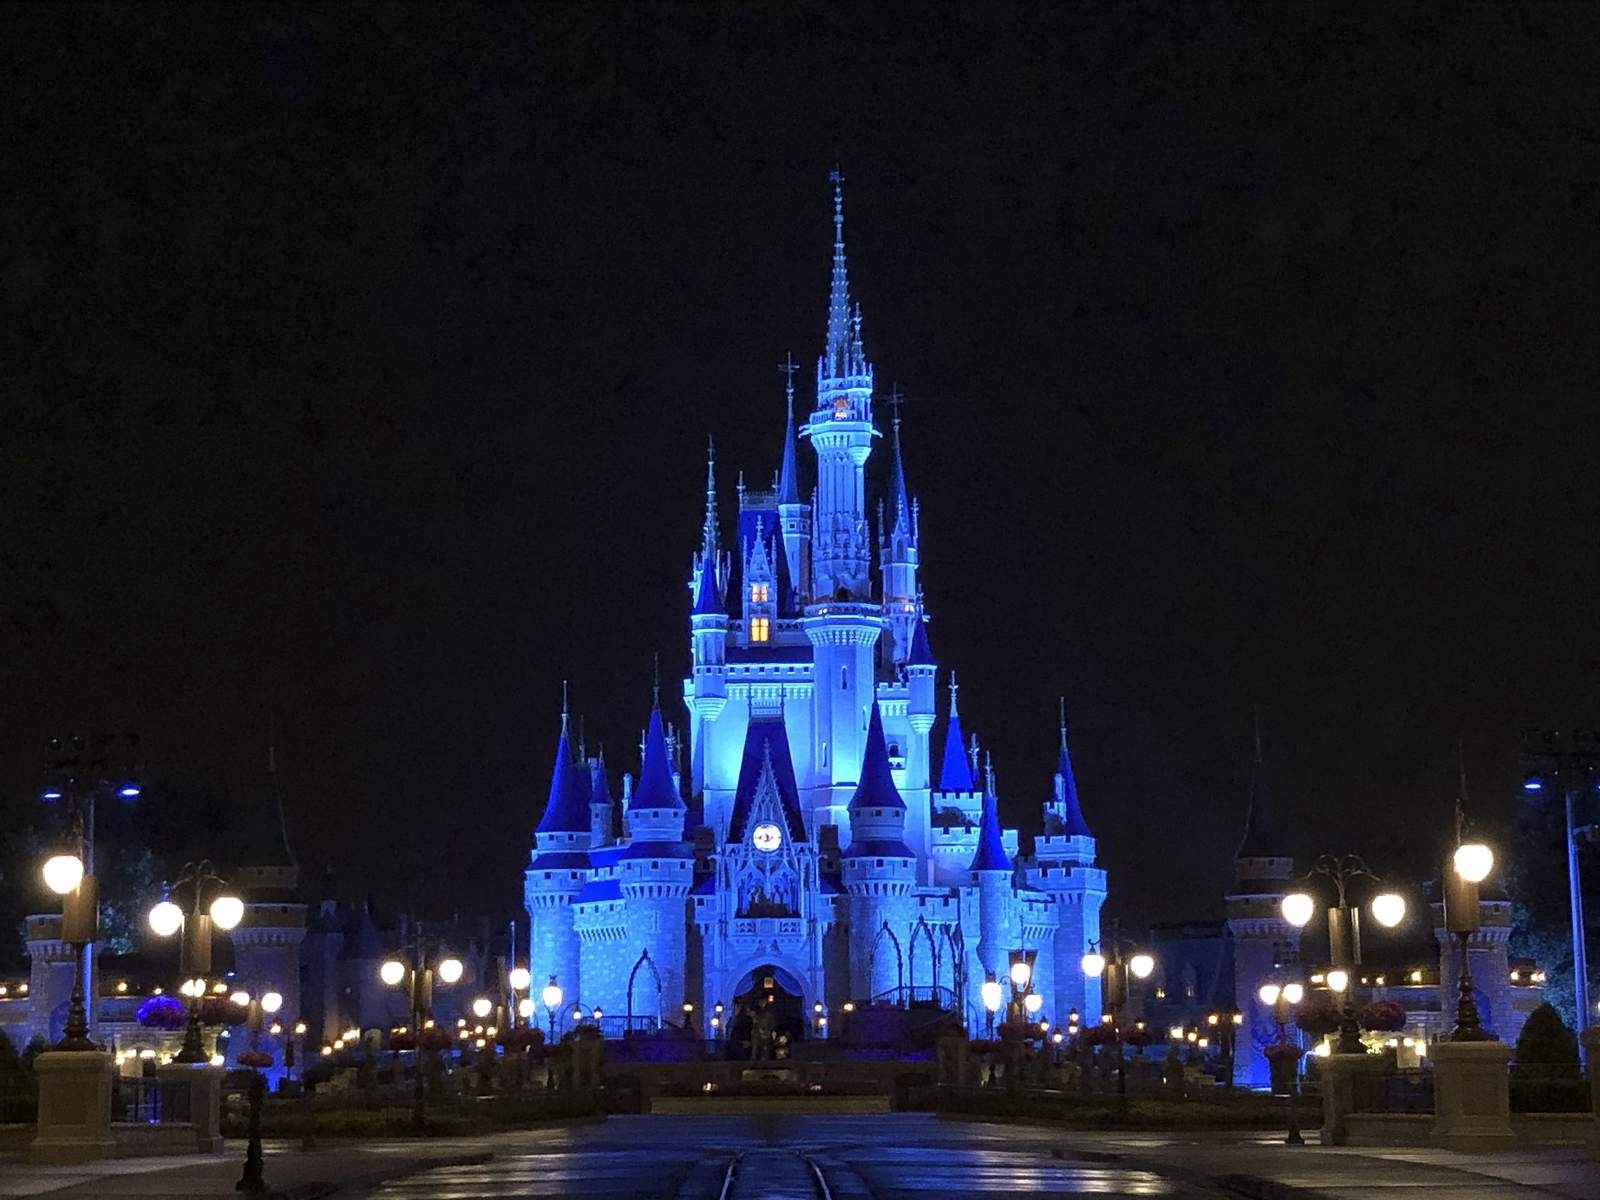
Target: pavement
{"points": [[897, 1156]]}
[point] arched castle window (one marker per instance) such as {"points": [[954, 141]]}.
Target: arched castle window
{"points": [[844, 679], [758, 593]]}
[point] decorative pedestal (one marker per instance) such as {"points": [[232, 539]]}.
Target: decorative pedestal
{"points": [[952, 1061], [1591, 1055], [1339, 1091], [74, 1107], [205, 1100], [1472, 1096]]}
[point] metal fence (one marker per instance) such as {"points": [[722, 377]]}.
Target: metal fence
{"points": [[149, 1101], [1408, 1091]]}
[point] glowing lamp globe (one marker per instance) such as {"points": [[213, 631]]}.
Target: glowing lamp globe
{"points": [[392, 972], [1298, 908], [520, 979], [481, 1007], [1093, 964], [525, 1007], [227, 912], [450, 970], [241, 998], [166, 918], [990, 991], [271, 1002], [1141, 965], [1474, 861], [1338, 980], [63, 873], [1388, 909], [1021, 972], [1269, 994], [1033, 1002], [551, 994], [1293, 993]]}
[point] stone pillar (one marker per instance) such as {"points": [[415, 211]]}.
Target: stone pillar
{"points": [[205, 1100], [1339, 1073], [1591, 1056], [1472, 1096], [74, 1107]]}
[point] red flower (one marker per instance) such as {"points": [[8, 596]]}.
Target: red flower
{"points": [[1283, 1052], [436, 1039], [255, 1058], [402, 1041], [1381, 1016], [1318, 1017]]}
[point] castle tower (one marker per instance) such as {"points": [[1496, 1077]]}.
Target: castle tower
{"points": [[655, 871], [556, 873], [897, 560], [602, 808], [920, 672], [991, 872], [794, 516], [1262, 939], [1065, 869], [878, 871]]}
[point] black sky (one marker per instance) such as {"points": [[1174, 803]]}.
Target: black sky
{"points": [[358, 363]]}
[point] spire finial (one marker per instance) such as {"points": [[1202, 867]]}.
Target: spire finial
{"points": [[1061, 704], [655, 689], [954, 687], [788, 368], [988, 771], [788, 469], [563, 708], [836, 357], [1255, 716]]}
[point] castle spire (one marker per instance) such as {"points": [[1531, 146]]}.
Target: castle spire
{"points": [[955, 775], [839, 324], [900, 506], [708, 533], [1071, 812], [788, 470], [1260, 836], [991, 855]]}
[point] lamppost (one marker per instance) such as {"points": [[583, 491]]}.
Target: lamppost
{"points": [[551, 995], [989, 990], [1344, 929], [1572, 762], [257, 1007], [1470, 865], [1226, 1024], [1280, 1000], [78, 768], [1021, 975], [417, 977], [80, 918], [518, 978], [194, 951], [1113, 975]]}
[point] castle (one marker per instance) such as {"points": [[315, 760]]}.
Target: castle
{"points": [[815, 845]]}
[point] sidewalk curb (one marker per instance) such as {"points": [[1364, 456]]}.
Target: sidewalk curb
{"points": [[1248, 1187], [316, 1190]]}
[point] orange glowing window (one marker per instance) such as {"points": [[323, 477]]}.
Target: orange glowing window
{"points": [[758, 593], [759, 629]]}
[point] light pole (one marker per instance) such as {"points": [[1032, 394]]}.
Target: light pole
{"points": [[1344, 928], [77, 768], [417, 977], [1226, 1024], [551, 995], [1572, 761], [989, 990], [1280, 1000], [1113, 974], [518, 978], [1469, 866], [1021, 975], [194, 950]]}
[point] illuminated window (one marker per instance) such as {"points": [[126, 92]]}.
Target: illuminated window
{"points": [[758, 629], [758, 593]]}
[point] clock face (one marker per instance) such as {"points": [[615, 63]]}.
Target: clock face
{"points": [[766, 837]]}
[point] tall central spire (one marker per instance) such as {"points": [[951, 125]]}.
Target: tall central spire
{"points": [[839, 329]]}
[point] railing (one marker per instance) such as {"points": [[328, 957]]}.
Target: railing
{"points": [[149, 1101], [1408, 1091], [1536, 1088]]}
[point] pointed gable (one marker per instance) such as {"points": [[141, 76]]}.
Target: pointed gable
{"points": [[920, 654], [708, 600], [766, 744]]}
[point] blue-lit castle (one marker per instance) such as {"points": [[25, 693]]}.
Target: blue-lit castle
{"points": [[813, 844]]}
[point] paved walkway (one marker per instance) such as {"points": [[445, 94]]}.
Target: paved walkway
{"points": [[891, 1157]]}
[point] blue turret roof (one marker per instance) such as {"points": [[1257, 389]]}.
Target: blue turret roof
{"points": [[567, 809], [766, 739], [899, 506], [600, 791], [788, 469], [955, 774], [656, 789], [876, 789], [708, 600], [991, 855], [921, 654], [1073, 824]]}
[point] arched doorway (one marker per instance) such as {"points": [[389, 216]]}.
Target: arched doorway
{"points": [[776, 990]]}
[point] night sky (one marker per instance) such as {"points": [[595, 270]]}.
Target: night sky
{"points": [[358, 364]]}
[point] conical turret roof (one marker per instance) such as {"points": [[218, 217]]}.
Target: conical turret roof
{"points": [[656, 789]]}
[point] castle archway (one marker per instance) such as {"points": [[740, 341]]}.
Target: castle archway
{"points": [[770, 994]]}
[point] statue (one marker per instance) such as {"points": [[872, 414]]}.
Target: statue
{"points": [[761, 1034]]}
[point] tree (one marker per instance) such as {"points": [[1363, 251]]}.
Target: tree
{"points": [[1541, 915], [1546, 1047]]}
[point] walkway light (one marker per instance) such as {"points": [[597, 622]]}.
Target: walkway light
{"points": [[481, 1007], [226, 912], [166, 918], [271, 1002], [1298, 908], [1474, 861], [1141, 965], [450, 970], [1093, 964], [1338, 980], [1388, 909], [63, 873], [392, 972], [519, 979]]}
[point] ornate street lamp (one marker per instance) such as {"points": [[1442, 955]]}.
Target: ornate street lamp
{"points": [[551, 995], [989, 991], [1344, 929], [167, 918], [416, 973], [1280, 999], [1113, 973], [1469, 866]]}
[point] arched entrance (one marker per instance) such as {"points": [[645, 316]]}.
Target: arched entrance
{"points": [[774, 989]]}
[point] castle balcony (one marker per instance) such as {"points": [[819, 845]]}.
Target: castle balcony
{"points": [[763, 929]]}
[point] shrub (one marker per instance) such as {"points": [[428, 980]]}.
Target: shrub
{"points": [[1546, 1048], [1381, 1016]]}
